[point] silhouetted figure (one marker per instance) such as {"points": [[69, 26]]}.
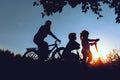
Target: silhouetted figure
{"points": [[86, 45], [43, 50], [71, 45]]}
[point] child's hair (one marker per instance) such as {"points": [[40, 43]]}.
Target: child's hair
{"points": [[84, 34], [72, 36]]}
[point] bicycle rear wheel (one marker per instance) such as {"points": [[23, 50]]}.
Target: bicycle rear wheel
{"points": [[31, 54]]}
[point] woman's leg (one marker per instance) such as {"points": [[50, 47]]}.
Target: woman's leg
{"points": [[43, 51]]}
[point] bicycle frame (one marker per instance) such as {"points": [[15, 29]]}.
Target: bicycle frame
{"points": [[55, 45], [55, 49]]}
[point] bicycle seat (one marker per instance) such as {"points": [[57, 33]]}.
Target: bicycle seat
{"points": [[31, 49]]}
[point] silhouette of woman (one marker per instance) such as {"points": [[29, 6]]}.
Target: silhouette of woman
{"points": [[86, 45], [39, 40], [71, 45]]}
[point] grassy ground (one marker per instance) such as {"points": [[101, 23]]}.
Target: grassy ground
{"points": [[16, 67]]}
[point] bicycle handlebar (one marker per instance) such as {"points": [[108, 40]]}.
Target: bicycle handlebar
{"points": [[55, 43]]}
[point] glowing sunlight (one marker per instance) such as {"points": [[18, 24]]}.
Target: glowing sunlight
{"points": [[99, 57]]}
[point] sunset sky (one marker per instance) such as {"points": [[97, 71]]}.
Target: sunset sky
{"points": [[19, 21]]}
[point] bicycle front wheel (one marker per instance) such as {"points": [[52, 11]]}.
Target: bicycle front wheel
{"points": [[57, 54]]}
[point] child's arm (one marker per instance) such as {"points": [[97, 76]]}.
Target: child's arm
{"points": [[92, 43], [91, 40]]}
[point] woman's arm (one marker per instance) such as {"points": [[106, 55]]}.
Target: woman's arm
{"points": [[54, 36]]}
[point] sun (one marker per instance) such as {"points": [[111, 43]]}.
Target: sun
{"points": [[100, 56], [104, 55]]}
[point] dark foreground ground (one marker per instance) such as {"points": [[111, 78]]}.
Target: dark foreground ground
{"points": [[19, 68]]}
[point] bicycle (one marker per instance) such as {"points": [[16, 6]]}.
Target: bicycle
{"points": [[33, 52]]}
